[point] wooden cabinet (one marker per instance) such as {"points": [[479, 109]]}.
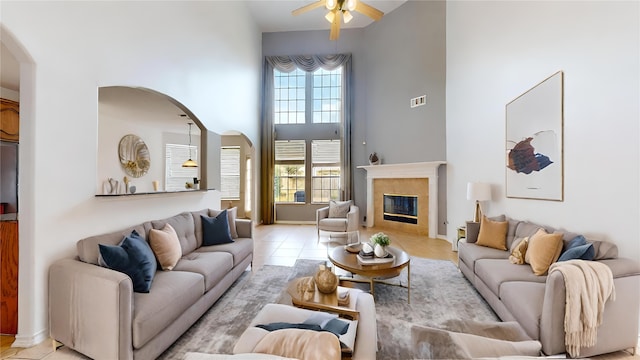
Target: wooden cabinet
{"points": [[9, 120], [9, 277]]}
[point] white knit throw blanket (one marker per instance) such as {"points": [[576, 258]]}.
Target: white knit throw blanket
{"points": [[589, 284]]}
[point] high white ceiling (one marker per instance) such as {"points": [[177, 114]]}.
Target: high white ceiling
{"points": [[270, 16]]}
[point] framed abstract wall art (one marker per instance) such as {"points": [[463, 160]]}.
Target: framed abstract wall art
{"points": [[534, 140]]}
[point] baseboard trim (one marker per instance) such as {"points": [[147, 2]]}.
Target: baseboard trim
{"points": [[25, 341]]}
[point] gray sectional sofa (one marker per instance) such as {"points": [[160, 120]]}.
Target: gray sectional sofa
{"points": [[537, 303], [95, 311]]}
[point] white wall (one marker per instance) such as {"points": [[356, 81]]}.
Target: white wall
{"points": [[9, 94], [186, 50], [496, 51]]}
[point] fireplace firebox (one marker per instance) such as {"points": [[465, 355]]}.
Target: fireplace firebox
{"points": [[401, 208]]}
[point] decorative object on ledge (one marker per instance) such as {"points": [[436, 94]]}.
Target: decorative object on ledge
{"points": [[190, 163], [374, 159], [111, 187], [326, 281], [134, 155], [478, 192]]}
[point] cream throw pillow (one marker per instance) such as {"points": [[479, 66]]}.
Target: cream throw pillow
{"points": [[543, 250], [518, 254], [339, 209], [493, 234], [300, 344], [165, 246]]}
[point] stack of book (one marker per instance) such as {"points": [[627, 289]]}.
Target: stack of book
{"points": [[370, 258]]}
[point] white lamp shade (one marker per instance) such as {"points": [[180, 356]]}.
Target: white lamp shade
{"points": [[478, 191]]}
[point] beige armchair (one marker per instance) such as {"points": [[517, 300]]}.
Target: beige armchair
{"points": [[347, 225]]}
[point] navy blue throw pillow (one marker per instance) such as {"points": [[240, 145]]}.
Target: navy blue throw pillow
{"points": [[215, 230], [578, 248], [134, 257]]}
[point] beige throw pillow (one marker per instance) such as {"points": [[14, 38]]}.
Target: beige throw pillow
{"points": [[339, 209], [165, 246], [518, 254], [493, 234], [543, 250], [300, 344]]}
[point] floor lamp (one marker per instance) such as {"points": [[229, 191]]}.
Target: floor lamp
{"points": [[478, 192]]}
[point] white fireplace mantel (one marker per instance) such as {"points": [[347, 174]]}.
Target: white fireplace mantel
{"points": [[427, 170]]}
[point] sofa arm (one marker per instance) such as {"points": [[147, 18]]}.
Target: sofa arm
{"points": [[244, 227], [90, 309], [619, 329], [322, 213], [366, 345], [353, 218]]}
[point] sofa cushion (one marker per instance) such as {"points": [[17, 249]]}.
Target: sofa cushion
{"points": [[132, 256], [471, 253], [527, 229], [519, 251], [493, 233], [333, 224], [172, 293], [88, 250], [165, 246], [543, 250], [524, 301], [578, 248], [605, 250], [300, 344], [215, 230], [239, 249], [183, 224], [339, 209], [495, 272], [212, 265]]}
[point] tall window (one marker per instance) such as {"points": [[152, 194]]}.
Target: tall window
{"points": [[230, 172], [289, 171], [307, 115], [325, 159]]}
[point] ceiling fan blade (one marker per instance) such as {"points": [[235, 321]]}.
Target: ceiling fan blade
{"points": [[369, 10], [335, 26], [309, 7]]}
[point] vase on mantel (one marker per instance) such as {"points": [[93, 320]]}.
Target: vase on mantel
{"points": [[374, 159]]}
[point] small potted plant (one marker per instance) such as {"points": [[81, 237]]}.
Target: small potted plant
{"points": [[380, 241]]}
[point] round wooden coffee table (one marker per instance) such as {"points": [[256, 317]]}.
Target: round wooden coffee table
{"points": [[348, 261]]}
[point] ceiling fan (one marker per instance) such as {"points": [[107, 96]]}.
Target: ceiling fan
{"points": [[340, 7]]}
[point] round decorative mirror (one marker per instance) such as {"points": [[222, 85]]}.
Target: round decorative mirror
{"points": [[134, 155]]}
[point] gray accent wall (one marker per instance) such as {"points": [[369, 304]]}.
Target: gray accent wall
{"points": [[398, 58]]}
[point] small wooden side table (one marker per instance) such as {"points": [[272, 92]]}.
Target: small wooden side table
{"points": [[462, 234]]}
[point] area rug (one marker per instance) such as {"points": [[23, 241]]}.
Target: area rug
{"points": [[439, 292]]}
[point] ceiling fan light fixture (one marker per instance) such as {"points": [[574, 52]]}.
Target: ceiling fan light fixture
{"points": [[351, 5], [331, 15], [331, 4], [346, 16]]}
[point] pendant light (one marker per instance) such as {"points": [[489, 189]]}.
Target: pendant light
{"points": [[190, 163]]}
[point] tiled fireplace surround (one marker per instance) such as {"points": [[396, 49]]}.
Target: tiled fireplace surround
{"points": [[419, 179]]}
